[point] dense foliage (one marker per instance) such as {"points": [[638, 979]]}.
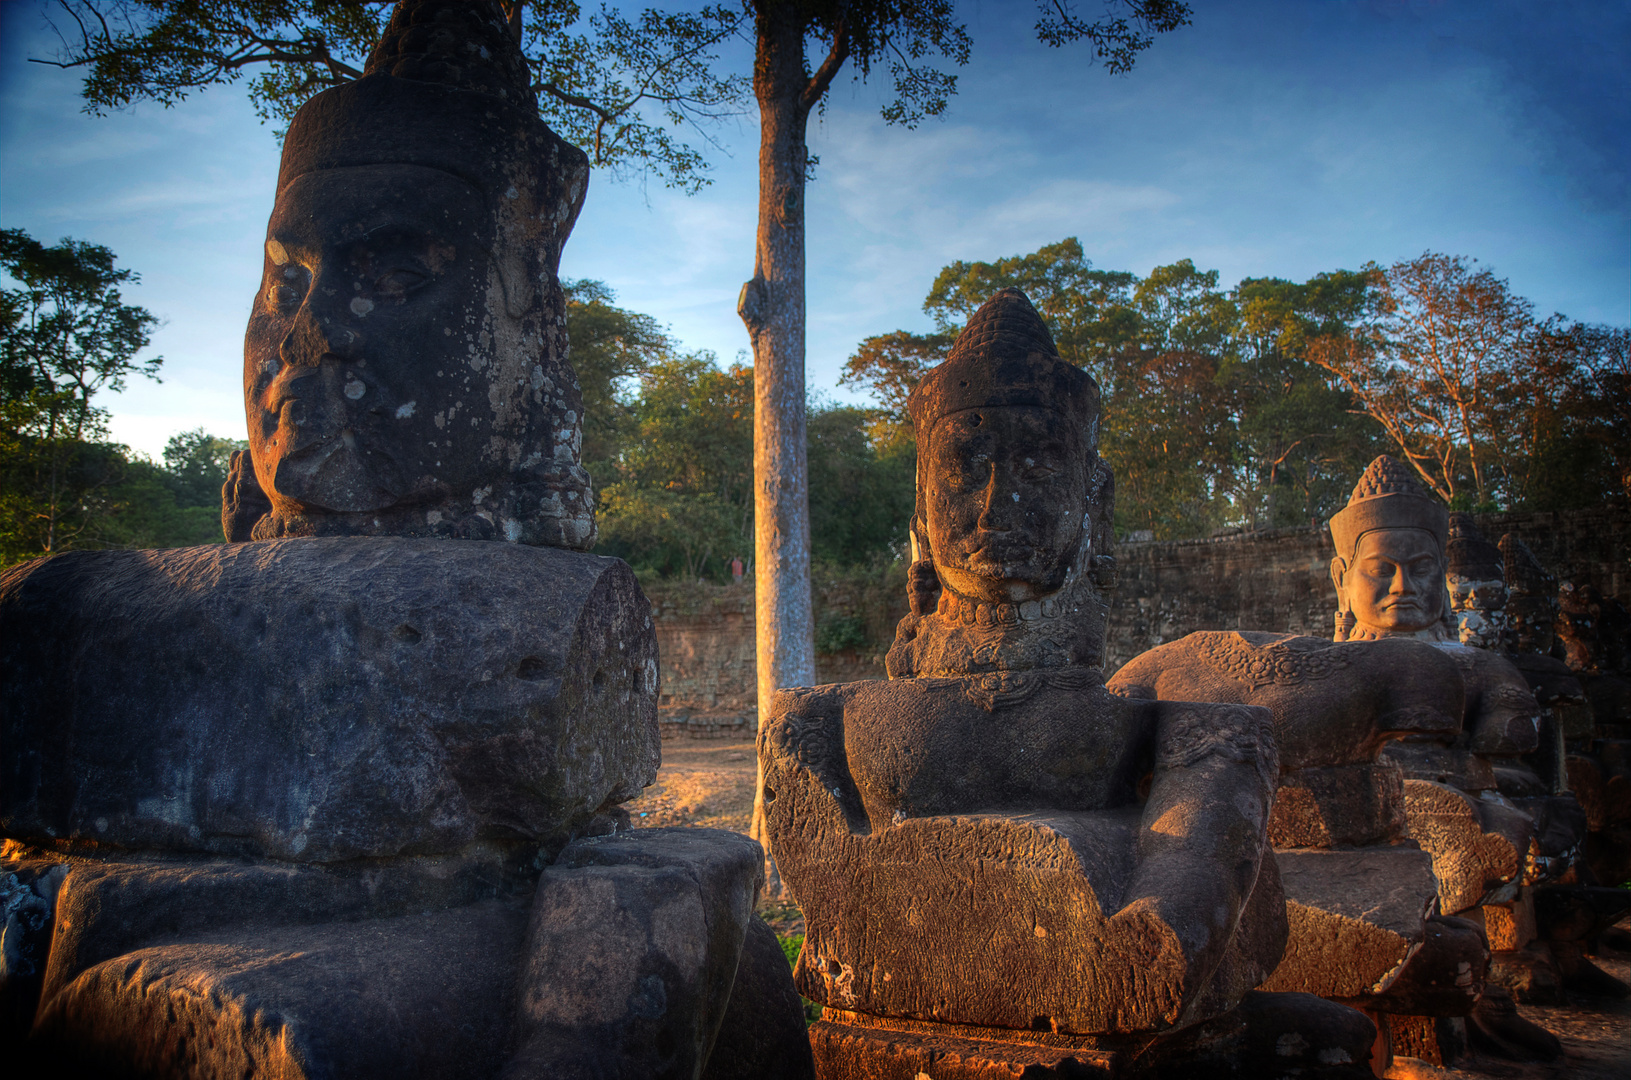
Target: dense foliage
{"points": [[668, 439], [65, 335], [1257, 406]]}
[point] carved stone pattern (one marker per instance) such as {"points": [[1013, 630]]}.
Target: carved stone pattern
{"points": [[1516, 698], [1002, 689], [1189, 739], [1259, 666], [807, 739]]}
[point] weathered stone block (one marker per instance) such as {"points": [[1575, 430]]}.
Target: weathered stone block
{"points": [[1354, 917], [763, 1033], [873, 1051], [322, 699], [416, 995], [631, 952], [632, 955], [1509, 926], [1469, 859], [1338, 805]]}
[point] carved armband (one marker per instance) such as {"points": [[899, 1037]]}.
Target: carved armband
{"points": [[1190, 733]]}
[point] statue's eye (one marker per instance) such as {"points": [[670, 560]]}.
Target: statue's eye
{"points": [[287, 287], [1037, 473], [397, 283], [283, 297]]}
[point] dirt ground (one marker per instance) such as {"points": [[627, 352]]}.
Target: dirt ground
{"points": [[1596, 1036], [708, 783]]}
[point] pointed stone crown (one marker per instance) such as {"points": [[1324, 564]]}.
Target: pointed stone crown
{"points": [[1005, 356], [461, 44], [1386, 476], [447, 87], [1388, 497]]}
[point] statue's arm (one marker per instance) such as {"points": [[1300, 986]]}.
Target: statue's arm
{"points": [[1203, 834]]}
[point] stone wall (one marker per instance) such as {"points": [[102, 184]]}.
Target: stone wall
{"points": [[705, 639], [1267, 580]]}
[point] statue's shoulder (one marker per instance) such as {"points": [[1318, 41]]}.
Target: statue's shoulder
{"points": [[1252, 658]]}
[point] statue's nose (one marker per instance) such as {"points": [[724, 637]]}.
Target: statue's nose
{"points": [[996, 515], [321, 329]]}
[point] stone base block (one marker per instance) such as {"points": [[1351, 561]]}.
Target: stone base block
{"points": [[1470, 859], [1354, 917], [855, 1051], [641, 957], [1510, 926], [1266, 1035], [1412, 1037], [1439, 764], [1339, 805], [419, 995]]}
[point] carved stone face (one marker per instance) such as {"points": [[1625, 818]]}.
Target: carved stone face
{"points": [[368, 376], [1395, 583], [1005, 501]]}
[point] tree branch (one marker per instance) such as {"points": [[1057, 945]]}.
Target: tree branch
{"points": [[829, 67], [577, 101]]}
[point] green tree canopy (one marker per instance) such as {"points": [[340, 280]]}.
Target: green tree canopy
{"points": [[619, 87], [66, 336], [196, 463], [1259, 405], [1207, 396]]}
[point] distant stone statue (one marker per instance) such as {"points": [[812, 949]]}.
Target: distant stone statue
{"points": [[405, 368], [1390, 573], [996, 858], [1446, 770]]}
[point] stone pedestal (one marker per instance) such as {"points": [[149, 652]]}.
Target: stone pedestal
{"points": [[323, 700], [622, 959], [350, 807]]}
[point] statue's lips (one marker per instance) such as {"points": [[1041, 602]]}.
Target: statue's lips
{"points": [[999, 560]]}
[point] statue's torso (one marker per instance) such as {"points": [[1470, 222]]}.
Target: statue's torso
{"points": [[1052, 738]]}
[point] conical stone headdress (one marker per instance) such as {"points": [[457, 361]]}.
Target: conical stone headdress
{"points": [[447, 88], [1005, 356], [1387, 497]]}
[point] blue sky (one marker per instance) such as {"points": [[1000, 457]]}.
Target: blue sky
{"points": [[1270, 138]]}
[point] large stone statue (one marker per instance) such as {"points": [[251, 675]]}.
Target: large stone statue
{"points": [[1001, 864], [343, 798], [1361, 897], [1399, 589], [405, 365]]}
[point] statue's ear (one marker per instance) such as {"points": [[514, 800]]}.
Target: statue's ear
{"points": [[1338, 568], [922, 581], [243, 503]]}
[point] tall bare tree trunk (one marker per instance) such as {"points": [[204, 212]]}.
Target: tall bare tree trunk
{"points": [[772, 307]]}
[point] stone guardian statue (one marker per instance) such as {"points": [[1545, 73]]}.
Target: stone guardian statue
{"points": [[996, 857]]}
